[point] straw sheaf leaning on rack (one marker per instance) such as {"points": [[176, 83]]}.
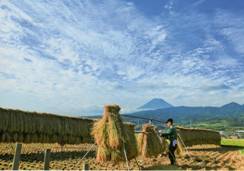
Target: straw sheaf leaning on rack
{"points": [[113, 137], [195, 136], [149, 143], [32, 127]]}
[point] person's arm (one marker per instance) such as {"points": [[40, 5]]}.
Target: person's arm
{"points": [[167, 133]]}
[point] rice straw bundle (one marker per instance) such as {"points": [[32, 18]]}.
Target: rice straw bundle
{"points": [[32, 127], [196, 136], [131, 143], [149, 143], [180, 150], [165, 145], [112, 136]]}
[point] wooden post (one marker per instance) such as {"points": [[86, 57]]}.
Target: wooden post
{"points": [[46, 159], [17, 154], [85, 166]]}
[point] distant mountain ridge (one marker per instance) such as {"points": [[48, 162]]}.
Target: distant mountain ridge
{"points": [[232, 105], [156, 103], [184, 113], [232, 113]]}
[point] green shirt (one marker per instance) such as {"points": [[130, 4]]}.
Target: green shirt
{"points": [[170, 134]]}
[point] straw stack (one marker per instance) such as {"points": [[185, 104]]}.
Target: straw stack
{"points": [[112, 136], [131, 143], [32, 127], [165, 144], [149, 143], [194, 136], [180, 151]]}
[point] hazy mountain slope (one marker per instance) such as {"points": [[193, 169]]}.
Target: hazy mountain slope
{"points": [[184, 114]]}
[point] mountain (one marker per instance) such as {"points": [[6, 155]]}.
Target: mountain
{"points": [[184, 114], [232, 105], [156, 103], [231, 114]]}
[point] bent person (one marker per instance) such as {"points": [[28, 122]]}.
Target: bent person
{"points": [[171, 135]]}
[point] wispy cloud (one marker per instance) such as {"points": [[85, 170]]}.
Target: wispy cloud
{"points": [[73, 57]]}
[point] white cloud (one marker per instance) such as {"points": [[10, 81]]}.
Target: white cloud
{"points": [[74, 57], [231, 26]]}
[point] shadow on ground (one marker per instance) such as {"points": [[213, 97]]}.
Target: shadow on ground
{"points": [[30, 157], [220, 149], [162, 167]]}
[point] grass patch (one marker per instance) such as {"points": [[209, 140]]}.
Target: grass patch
{"points": [[233, 142], [242, 152]]}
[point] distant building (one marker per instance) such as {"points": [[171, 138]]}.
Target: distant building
{"points": [[223, 134], [240, 133]]}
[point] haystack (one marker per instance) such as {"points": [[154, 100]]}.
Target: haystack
{"points": [[112, 136], [165, 144], [180, 151], [196, 136], [131, 142], [149, 143], [32, 127]]}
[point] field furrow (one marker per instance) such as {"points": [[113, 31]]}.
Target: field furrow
{"points": [[69, 157]]}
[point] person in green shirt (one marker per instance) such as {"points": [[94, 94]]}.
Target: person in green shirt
{"points": [[171, 135]]}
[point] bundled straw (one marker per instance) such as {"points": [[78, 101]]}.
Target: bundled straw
{"points": [[32, 127], [112, 136], [165, 144], [149, 143], [194, 136], [180, 151], [131, 143]]}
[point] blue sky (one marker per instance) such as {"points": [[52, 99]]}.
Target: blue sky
{"points": [[72, 57]]}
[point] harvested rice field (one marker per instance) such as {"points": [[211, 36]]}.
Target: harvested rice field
{"points": [[69, 157]]}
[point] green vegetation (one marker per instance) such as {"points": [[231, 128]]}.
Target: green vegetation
{"points": [[217, 124], [228, 127], [242, 152], [221, 124], [233, 142]]}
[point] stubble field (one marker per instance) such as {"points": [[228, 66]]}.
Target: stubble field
{"points": [[70, 157]]}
